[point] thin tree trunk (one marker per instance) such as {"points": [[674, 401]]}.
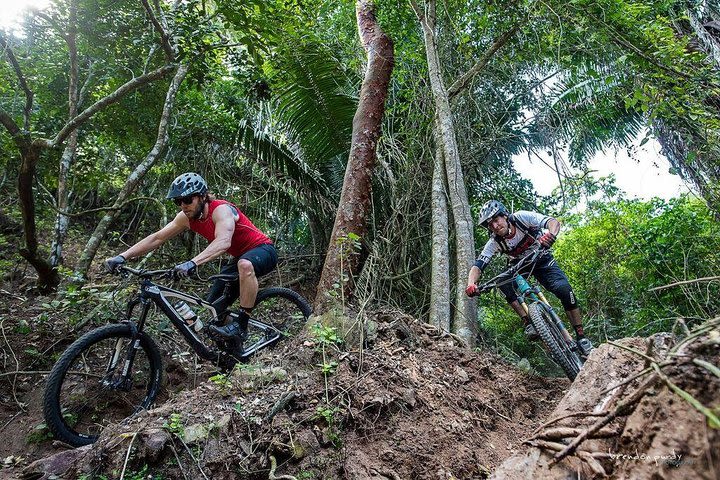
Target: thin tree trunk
{"points": [[440, 276], [62, 221], [465, 324], [48, 278], [341, 263], [135, 177]]}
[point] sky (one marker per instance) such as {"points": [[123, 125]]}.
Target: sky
{"points": [[10, 10], [644, 176]]}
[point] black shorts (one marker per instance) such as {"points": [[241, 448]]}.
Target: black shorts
{"points": [[264, 261], [551, 277]]}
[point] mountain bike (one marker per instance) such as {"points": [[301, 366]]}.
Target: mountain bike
{"points": [[558, 343], [115, 371]]}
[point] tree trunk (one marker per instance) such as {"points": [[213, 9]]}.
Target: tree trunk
{"points": [[465, 322], [341, 263], [135, 177], [62, 221], [709, 43], [701, 172], [48, 278], [440, 277]]}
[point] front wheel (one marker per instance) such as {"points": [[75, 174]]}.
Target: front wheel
{"points": [[86, 390], [553, 338]]}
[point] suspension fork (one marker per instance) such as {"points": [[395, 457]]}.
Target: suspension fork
{"points": [[554, 316], [123, 381]]}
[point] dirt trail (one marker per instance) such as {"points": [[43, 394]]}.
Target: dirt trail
{"points": [[413, 405]]}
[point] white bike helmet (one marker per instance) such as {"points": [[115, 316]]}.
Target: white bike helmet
{"points": [[187, 184], [490, 210]]}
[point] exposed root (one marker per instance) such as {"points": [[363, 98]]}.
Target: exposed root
{"points": [[654, 372], [273, 467]]}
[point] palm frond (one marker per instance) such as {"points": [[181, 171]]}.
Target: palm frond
{"points": [[311, 105]]}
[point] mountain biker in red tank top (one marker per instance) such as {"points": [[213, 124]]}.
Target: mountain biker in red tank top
{"points": [[229, 231]]}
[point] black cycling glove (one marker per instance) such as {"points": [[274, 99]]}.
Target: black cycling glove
{"points": [[184, 269], [112, 264]]}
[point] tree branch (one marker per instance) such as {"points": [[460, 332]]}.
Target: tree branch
{"points": [[114, 97], [86, 84], [462, 82], [684, 282], [162, 30], [105, 209], [9, 123], [71, 40], [21, 80], [53, 21]]}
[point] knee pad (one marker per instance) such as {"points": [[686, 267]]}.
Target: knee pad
{"points": [[566, 295]]}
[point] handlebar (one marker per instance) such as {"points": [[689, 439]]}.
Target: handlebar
{"points": [[123, 269], [509, 274], [168, 273]]}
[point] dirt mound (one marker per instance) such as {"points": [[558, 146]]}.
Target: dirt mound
{"points": [[640, 409], [414, 405]]}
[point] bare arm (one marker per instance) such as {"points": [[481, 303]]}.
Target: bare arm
{"points": [[178, 225], [224, 228], [474, 275]]}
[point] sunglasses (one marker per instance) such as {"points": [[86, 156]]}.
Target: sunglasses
{"points": [[183, 200]]}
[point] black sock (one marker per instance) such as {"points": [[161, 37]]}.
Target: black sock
{"points": [[579, 332], [244, 316], [526, 320]]}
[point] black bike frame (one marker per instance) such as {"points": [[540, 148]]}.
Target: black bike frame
{"points": [[152, 293]]}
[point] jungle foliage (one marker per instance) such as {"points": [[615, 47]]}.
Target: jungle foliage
{"points": [[266, 110]]}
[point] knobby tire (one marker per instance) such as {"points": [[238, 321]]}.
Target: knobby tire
{"points": [[74, 402], [271, 308], [553, 339]]}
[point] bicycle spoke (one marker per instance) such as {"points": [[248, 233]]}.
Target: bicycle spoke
{"points": [[93, 395]]}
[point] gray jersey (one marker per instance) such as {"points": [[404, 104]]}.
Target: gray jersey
{"points": [[514, 246]]}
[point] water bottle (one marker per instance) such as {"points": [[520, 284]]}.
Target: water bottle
{"points": [[190, 317]]}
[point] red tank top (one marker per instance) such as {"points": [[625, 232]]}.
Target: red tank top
{"points": [[246, 236]]}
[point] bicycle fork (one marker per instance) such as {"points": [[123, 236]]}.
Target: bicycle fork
{"points": [[525, 288], [123, 380]]}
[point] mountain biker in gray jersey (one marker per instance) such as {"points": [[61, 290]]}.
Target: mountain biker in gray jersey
{"points": [[512, 235]]}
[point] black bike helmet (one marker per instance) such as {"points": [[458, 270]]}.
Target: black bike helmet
{"points": [[187, 184], [490, 210]]}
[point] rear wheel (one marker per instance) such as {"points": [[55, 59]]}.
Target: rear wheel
{"points": [[552, 337], [284, 309], [84, 392]]}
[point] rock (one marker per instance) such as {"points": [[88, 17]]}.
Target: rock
{"points": [[253, 378], [461, 375], [304, 443], [524, 365], [196, 432], [154, 441], [57, 464], [409, 397]]}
